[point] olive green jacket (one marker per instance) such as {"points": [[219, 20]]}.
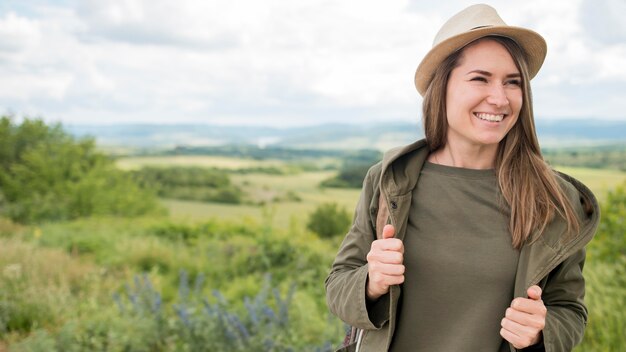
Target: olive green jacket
{"points": [[554, 261]]}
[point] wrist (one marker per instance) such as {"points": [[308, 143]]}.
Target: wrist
{"points": [[371, 296]]}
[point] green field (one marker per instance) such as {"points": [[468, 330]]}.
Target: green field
{"points": [[90, 260], [133, 163], [264, 187], [598, 180]]}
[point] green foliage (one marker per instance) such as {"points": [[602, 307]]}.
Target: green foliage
{"points": [[328, 220], [168, 312], [256, 152], [22, 315], [192, 323], [605, 274], [190, 183], [289, 196], [610, 242], [597, 157], [606, 300], [354, 169], [46, 175]]}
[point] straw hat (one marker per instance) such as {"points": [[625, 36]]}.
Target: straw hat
{"points": [[475, 22]]}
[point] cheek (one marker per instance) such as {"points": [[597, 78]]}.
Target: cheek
{"points": [[516, 101]]}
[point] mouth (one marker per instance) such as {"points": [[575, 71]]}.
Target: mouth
{"points": [[490, 117]]}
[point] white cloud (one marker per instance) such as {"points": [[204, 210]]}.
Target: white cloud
{"points": [[17, 35], [273, 62]]}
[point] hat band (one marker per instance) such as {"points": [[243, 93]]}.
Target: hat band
{"points": [[479, 27]]}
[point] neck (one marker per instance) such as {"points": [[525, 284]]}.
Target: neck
{"points": [[477, 157]]}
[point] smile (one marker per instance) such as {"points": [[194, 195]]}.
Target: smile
{"points": [[489, 117]]}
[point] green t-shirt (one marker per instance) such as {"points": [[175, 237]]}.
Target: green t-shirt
{"points": [[460, 264]]}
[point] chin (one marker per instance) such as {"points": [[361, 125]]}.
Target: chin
{"points": [[489, 140]]}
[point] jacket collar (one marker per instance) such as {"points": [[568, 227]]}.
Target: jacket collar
{"points": [[400, 172]]}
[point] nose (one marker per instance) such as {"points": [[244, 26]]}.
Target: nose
{"points": [[497, 96]]}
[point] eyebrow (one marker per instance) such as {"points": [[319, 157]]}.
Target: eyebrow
{"points": [[488, 74]]}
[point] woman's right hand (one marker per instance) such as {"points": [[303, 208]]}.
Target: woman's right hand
{"points": [[385, 266]]}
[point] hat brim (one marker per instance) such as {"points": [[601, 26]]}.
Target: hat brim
{"points": [[530, 41]]}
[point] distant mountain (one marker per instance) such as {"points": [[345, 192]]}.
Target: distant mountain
{"points": [[327, 136]]}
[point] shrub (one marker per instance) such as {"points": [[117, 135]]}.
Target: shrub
{"points": [[45, 174], [353, 170], [605, 274], [190, 183], [329, 220], [610, 242]]}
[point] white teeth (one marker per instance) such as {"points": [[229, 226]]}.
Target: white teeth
{"points": [[489, 117]]}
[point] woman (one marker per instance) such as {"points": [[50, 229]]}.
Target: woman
{"points": [[467, 240]]}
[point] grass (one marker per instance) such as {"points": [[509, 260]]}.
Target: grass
{"points": [[133, 163], [58, 280], [44, 287], [600, 181], [93, 258], [263, 187], [606, 301]]}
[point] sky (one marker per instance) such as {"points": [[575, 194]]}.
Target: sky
{"points": [[279, 62]]}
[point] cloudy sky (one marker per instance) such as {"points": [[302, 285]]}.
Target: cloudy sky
{"points": [[279, 62]]}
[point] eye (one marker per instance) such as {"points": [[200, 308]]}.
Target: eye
{"points": [[479, 79], [515, 82]]}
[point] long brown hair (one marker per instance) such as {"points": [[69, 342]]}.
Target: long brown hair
{"points": [[527, 184]]}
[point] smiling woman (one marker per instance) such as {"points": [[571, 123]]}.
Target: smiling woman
{"points": [[467, 240], [484, 98]]}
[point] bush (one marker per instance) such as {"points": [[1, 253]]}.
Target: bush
{"points": [[353, 170], [610, 241], [145, 322], [329, 220], [47, 175], [190, 183], [605, 274]]}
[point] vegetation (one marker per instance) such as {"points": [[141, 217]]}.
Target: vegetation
{"points": [[256, 152], [190, 183], [354, 169], [183, 279], [328, 220], [97, 281], [598, 157], [45, 174], [605, 274]]}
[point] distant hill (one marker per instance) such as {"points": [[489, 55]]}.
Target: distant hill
{"points": [[327, 136]]}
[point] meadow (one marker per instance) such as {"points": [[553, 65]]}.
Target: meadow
{"points": [[264, 187], [220, 277]]}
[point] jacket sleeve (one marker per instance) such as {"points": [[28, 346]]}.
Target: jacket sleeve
{"points": [[563, 296], [346, 283], [564, 289]]}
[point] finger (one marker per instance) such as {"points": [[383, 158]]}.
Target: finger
{"points": [[533, 321], [515, 340], [534, 292], [517, 329], [387, 257], [389, 244], [528, 305], [387, 269], [382, 280], [389, 231]]}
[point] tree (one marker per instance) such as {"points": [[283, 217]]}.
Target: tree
{"points": [[46, 174], [354, 169], [329, 220]]}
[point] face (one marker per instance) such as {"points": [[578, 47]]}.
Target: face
{"points": [[483, 96]]}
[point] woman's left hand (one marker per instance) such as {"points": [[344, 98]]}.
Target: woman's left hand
{"points": [[525, 319]]}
